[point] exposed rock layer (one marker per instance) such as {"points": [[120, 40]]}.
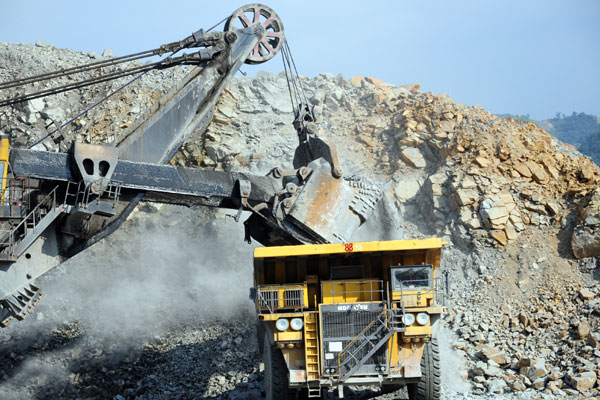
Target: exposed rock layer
{"points": [[515, 204]]}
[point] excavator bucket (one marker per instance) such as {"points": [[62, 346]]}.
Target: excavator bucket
{"points": [[316, 207], [333, 208]]}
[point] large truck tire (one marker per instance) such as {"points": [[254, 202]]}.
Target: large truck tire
{"points": [[276, 375], [260, 338], [428, 388]]}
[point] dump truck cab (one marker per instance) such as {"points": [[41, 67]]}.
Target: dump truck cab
{"points": [[364, 313]]}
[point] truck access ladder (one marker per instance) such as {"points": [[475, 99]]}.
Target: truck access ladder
{"points": [[18, 239], [312, 354], [360, 349]]}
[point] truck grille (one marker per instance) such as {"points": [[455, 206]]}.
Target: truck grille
{"points": [[278, 297], [340, 324], [293, 297], [269, 299]]}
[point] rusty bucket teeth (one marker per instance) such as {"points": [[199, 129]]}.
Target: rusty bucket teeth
{"points": [[22, 316], [20, 304], [6, 322]]}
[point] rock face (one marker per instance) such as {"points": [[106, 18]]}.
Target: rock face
{"points": [[28, 122], [545, 344], [586, 236], [503, 193], [481, 178]]}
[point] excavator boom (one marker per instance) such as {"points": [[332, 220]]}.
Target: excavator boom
{"points": [[58, 204]]}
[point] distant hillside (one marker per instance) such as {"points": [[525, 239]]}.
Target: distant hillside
{"points": [[591, 147], [573, 129], [578, 129], [522, 117]]}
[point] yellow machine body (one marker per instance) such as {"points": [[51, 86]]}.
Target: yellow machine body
{"points": [[4, 152], [343, 292]]}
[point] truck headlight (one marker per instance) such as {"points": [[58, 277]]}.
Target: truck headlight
{"points": [[296, 324], [282, 324], [408, 319], [422, 318]]}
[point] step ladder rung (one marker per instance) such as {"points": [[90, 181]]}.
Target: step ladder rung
{"points": [[369, 340], [311, 352]]}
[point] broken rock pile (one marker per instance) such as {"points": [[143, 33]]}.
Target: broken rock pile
{"points": [[476, 177], [517, 207], [550, 344], [586, 237]]}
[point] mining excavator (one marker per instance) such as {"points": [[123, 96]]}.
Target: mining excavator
{"points": [[54, 205]]}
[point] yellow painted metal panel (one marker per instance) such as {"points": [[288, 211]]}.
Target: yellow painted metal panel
{"points": [[418, 330], [4, 150], [340, 248], [409, 364], [351, 291], [414, 298], [282, 300], [429, 310], [393, 351], [275, 317], [288, 335]]}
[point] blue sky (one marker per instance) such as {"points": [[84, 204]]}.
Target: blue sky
{"points": [[529, 57]]}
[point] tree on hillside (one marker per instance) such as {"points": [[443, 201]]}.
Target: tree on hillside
{"points": [[591, 147], [572, 129]]}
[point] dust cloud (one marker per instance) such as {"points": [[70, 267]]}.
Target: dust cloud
{"points": [[384, 223], [36, 371], [179, 268], [157, 271], [451, 363]]}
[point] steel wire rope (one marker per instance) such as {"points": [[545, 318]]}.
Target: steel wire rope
{"points": [[76, 69], [164, 63], [91, 107], [172, 47], [287, 78], [77, 85], [293, 88], [219, 23], [286, 45], [144, 72], [295, 82]]}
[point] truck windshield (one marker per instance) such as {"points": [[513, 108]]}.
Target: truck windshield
{"points": [[411, 277]]}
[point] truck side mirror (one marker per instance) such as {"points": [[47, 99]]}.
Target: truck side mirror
{"points": [[447, 282]]}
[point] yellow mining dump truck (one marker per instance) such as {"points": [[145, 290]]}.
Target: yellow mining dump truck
{"points": [[333, 315]]}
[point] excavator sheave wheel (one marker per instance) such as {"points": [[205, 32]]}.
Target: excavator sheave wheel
{"points": [[276, 374], [428, 388], [271, 42]]}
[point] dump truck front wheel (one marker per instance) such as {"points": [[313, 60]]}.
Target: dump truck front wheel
{"points": [[428, 388], [276, 374]]}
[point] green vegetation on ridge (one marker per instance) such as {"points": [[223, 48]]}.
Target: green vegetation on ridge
{"points": [[578, 129]]}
